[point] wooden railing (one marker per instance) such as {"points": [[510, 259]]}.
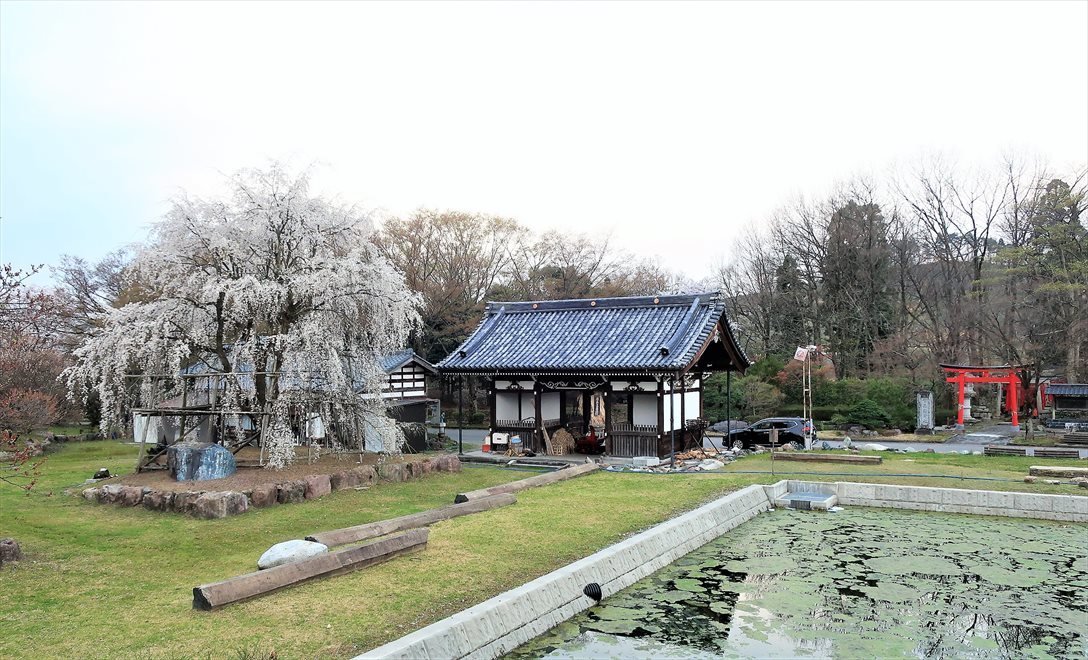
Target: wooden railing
{"points": [[634, 439]]}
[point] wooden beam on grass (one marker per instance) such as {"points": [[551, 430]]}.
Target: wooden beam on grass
{"points": [[827, 458], [413, 521], [539, 480], [213, 596]]}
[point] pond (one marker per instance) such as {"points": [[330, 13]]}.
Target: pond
{"points": [[863, 582]]}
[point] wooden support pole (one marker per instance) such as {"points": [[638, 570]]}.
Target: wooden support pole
{"points": [[413, 521], [539, 480], [217, 594]]}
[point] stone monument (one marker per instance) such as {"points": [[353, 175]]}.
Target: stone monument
{"points": [[924, 425]]}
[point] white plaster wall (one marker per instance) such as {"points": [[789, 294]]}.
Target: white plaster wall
{"points": [[506, 405], [691, 405], [549, 405], [672, 417], [644, 408]]}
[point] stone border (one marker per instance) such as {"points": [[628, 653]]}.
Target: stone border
{"points": [[220, 504], [1068, 508], [497, 626]]}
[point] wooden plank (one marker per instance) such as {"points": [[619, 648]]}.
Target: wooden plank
{"points": [[217, 594], [999, 450], [413, 521], [539, 480], [827, 458]]}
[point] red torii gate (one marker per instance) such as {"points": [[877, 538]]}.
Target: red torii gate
{"points": [[1005, 375]]}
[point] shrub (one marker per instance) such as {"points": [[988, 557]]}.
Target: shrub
{"points": [[868, 413]]}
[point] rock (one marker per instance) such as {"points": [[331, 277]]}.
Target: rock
{"points": [[1084, 484], [91, 495], [10, 551], [872, 446], [317, 485], [929, 450], [711, 464], [344, 480], [110, 494], [289, 551], [102, 473], [453, 464], [185, 501], [290, 492], [367, 474], [846, 442], [220, 504], [264, 495], [158, 500], [1030, 480], [131, 495], [394, 472], [199, 461]]}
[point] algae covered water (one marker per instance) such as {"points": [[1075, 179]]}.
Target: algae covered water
{"points": [[861, 583]]}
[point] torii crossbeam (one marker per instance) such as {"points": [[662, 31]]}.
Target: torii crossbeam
{"points": [[1003, 375]]}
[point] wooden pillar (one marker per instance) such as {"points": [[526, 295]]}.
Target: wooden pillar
{"points": [[492, 398], [538, 432], [587, 401], [563, 408], [660, 414], [683, 415], [607, 421]]}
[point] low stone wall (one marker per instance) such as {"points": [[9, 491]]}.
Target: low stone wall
{"points": [[497, 626], [1072, 508], [219, 504]]}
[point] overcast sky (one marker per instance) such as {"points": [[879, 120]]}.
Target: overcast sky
{"points": [[674, 126]]}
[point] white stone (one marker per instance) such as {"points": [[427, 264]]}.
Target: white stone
{"points": [[711, 464], [872, 446], [290, 551]]}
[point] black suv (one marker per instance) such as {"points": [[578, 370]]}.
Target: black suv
{"points": [[790, 429]]}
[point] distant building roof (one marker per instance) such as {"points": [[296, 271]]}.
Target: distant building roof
{"points": [[391, 363], [649, 334], [1067, 389]]}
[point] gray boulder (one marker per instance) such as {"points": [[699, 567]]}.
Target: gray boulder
{"points": [[200, 461], [289, 551], [220, 505]]}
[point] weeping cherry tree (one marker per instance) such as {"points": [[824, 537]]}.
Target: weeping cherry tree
{"points": [[281, 291]]}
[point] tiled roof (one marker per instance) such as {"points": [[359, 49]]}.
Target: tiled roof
{"points": [[391, 363], [1067, 389], [606, 335]]}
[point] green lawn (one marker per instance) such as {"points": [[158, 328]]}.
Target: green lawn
{"points": [[104, 581]]}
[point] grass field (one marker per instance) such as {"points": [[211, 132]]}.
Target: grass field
{"points": [[105, 581]]}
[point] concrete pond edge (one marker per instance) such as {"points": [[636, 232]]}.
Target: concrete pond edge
{"points": [[499, 625]]}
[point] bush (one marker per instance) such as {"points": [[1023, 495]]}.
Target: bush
{"points": [[868, 413], [838, 420]]}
